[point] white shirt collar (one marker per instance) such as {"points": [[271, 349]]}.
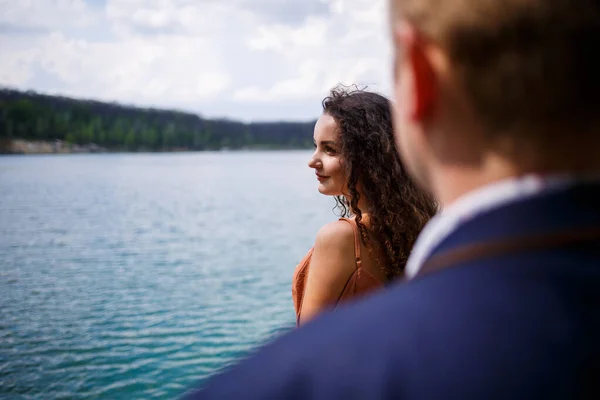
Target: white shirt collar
{"points": [[474, 203]]}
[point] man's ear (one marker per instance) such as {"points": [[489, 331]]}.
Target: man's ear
{"points": [[424, 83]]}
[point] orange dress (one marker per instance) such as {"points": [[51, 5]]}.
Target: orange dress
{"points": [[360, 282]]}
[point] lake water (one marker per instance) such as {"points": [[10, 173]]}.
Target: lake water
{"points": [[139, 275]]}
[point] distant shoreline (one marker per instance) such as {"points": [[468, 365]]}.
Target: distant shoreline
{"points": [[32, 123], [41, 147]]}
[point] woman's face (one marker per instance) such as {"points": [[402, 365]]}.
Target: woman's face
{"points": [[326, 160]]}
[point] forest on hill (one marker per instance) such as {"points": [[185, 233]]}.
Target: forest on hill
{"points": [[39, 117]]}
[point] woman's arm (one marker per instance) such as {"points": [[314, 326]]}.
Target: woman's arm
{"points": [[331, 265]]}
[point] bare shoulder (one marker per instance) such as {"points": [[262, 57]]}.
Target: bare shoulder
{"points": [[333, 256], [331, 265], [336, 234]]}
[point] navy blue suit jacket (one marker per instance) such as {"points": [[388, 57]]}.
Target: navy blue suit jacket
{"points": [[518, 326]]}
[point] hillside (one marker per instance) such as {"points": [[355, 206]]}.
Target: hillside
{"points": [[27, 117]]}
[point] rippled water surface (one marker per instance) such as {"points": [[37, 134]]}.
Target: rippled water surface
{"points": [[137, 276]]}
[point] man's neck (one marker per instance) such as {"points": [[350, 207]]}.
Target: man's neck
{"points": [[453, 182]]}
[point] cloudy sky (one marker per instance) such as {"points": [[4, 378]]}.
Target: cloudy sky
{"points": [[242, 59]]}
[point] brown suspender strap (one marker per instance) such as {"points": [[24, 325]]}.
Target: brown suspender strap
{"points": [[356, 233], [356, 240], [504, 246]]}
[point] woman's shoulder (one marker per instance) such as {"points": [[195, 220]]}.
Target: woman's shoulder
{"points": [[332, 260], [339, 234]]}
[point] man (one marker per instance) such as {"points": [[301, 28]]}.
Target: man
{"points": [[498, 115]]}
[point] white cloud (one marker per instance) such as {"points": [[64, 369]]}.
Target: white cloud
{"points": [[14, 68], [249, 59], [286, 39], [151, 72], [350, 46], [47, 14]]}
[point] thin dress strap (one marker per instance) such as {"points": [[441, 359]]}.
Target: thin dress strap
{"points": [[356, 240]]}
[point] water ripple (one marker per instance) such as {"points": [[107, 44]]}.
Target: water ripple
{"points": [[137, 276]]}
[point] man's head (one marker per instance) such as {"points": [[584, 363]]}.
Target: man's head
{"points": [[502, 77]]}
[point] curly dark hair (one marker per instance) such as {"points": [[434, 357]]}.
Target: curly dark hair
{"points": [[398, 209]]}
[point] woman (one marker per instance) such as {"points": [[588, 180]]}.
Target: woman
{"points": [[356, 161]]}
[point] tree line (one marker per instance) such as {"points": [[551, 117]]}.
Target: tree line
{"points": [[33, 116]]}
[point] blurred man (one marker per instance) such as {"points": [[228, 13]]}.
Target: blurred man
{"points": [[498, 115]]}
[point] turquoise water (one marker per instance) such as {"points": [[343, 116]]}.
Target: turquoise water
{"points": [[137, 276]]}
